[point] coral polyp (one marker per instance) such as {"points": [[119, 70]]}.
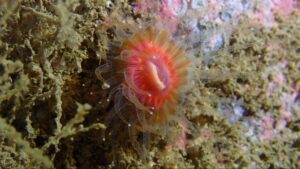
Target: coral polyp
{"points": [[153, 71]]}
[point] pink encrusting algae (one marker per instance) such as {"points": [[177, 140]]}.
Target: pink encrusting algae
{"points": [[267, 10]]}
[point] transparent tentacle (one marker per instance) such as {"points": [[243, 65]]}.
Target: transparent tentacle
{"points": [[132, 98], [119, 104], [99, 71], [130, 83]]}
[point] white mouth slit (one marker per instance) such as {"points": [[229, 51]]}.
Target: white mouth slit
{"points": [[154, 73]]}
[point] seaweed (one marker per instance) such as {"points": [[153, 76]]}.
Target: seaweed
{"points": [[13, 142]]}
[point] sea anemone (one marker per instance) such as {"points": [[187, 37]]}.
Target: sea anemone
{"points": [[151, 72], [154, 71]]}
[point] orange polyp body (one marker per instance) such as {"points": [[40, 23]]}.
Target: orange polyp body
{"points": [[156, 70]]}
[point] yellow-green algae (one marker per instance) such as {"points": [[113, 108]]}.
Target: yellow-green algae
{"points": [[49, 51]]}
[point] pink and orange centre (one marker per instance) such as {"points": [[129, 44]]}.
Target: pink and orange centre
{"points": [[152, 74]]}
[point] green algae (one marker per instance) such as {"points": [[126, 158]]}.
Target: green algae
{"points": [[17, 153], [47, 69]]}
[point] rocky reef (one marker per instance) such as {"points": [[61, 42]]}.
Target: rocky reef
{"points": [[242, 106]]}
